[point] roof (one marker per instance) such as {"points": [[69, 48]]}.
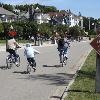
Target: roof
{"points": [[5, 12], [55, 14]]}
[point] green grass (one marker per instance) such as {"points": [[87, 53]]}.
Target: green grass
{"points": [[2, 41], [84, 86]]}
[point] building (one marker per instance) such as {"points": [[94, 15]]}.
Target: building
{"points": [[7, 16], [38, 16], [62, 17], [66, 17]]}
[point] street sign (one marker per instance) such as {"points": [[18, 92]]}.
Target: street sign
{"points": [[96, 44]]}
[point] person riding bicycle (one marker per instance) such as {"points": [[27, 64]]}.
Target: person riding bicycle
{"points": [[12, 45], [30, 52], [63, 45], [66, 46], [60, 42]]}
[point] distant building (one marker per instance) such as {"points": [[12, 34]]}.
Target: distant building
{"points": [[38, 16], [23, 16], [7, 16], [67, 18], [63, 17]]}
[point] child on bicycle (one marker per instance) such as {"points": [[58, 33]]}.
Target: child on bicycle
{"points": [[30, 52]]}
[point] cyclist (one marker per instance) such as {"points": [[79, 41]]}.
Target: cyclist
{"points": [[30, 52], [60, 42], [63, 45], [66, 46], [12, 45]]}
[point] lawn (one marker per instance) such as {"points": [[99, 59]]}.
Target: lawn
{"points": [[84, 86]]}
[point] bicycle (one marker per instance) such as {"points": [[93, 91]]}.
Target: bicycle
{"points": [[10, 60], [63, 58], [31, 66]]}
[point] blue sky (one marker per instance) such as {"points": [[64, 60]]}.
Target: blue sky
{"points": [[88, 8]]}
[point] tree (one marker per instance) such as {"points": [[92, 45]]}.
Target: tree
{"points": [[75, 31], [1, 30], [8, 7], [61, 28]]}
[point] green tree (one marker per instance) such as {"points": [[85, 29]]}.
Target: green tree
{"points": [[8, 7], [75, 31], [1, 30]]}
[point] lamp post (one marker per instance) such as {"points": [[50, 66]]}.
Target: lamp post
{"points": [[81, 18], [89, 27], [89, 23]]}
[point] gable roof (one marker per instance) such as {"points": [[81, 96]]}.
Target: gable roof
{"points": [[6, 12]]}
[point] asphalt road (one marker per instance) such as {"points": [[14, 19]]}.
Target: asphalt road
{"points": [[48, 80]]}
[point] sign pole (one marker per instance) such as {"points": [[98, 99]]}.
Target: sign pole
{"points": [[97, 73], [98, 66]]}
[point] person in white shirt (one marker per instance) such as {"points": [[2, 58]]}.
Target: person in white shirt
{"points": [[11, 47], [30, 52]]}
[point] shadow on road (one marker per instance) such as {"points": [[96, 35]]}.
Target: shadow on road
{"points": [[3, 67], [56, 97], [21, 72], [56, 79], [57, 66]]}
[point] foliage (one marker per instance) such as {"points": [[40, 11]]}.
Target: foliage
{"points": [[44, 9], [61, 28], [75, 31], [25, 29], [92, 32], [45, 29], [1, 27], [6, 6]]}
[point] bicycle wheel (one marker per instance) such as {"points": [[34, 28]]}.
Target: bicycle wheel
{"points": [[62, 60], [34, 66], [65, 60], [28, 69], [9, 62], [18, 61]]}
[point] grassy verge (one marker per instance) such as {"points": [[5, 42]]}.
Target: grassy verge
{"points": [[84, 86], [2, 41]]}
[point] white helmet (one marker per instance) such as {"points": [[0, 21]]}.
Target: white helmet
{"points": [[28, 45]]}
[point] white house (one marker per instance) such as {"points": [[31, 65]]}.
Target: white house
{"points": [[66, 18], [40, 17]]}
